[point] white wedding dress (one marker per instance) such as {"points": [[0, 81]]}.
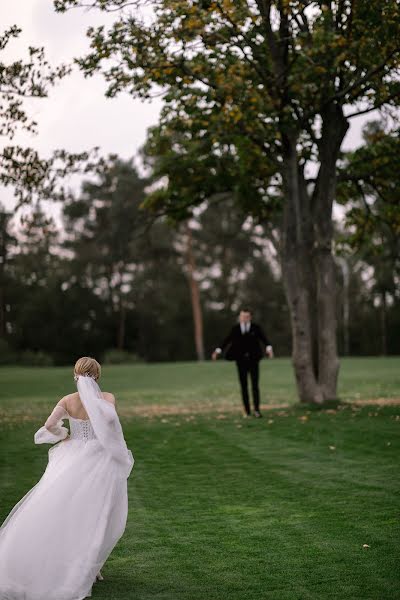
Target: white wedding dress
{"points": [[56, 539]]}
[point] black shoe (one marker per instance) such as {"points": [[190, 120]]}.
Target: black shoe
{"points": [[257, 414]]}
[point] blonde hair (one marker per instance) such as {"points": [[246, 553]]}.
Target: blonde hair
{"points": [[86, 365]]}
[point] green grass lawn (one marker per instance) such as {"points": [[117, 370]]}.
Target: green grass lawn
{"points": [[226, 508]]}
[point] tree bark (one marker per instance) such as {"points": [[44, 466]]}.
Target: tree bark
{"points": [[121, 308], [194, 296], [309, 265], [121, 325], [296, 276], [3, 262], [346, 304], [383, 324], [307, 262], [334, 129], [2, 313]]}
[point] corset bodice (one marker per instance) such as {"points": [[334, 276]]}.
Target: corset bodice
{"points": [[81, 429]]}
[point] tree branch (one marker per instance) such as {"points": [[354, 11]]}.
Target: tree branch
{"points": [[371, 108], [364, 78]]}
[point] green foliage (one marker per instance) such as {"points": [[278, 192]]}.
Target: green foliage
{"points": [[34, 178], [239, 77], [7, 355], [19, 80], [369, 188], [35, 359], [237, 265], [109, 236], [119, 357], [60, 282], [31, 176]]}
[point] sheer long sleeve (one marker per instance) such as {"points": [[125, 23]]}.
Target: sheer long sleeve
{"points": [[53, 430]]}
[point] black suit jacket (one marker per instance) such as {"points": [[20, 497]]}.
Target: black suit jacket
{"points": [[239, 346]]}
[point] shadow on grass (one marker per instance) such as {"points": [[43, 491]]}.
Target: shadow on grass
{"points": [[335, 404]]}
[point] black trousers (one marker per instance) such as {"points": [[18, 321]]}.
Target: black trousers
{"points": [[246, 366]]}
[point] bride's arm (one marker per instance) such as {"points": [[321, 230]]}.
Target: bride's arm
{"points": [[53, 430], [112, 412]]}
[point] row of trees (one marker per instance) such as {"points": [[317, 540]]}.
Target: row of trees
{"points": [[258, 97], [109, 278]]}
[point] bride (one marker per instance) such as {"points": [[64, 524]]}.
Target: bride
{"points": [[56, 539]]}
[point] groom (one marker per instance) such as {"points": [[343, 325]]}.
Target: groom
{"points": [[246, 344]]}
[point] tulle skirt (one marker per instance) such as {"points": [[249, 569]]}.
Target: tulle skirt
{"points": [[56, 539]]}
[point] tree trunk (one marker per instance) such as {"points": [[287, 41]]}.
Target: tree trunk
{"points": [[334, 129], [309, 266], [195, 297], [121, 325], [296, 275], [307, 262], [327, 349], [3, 294], [3, 262], [2, 313], [346, 304], [383, 324]]}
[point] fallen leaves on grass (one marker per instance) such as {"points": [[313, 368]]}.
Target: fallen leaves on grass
{"points": [[190, 408], [376, 401]]}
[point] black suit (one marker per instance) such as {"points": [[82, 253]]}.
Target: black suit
{"points": [[246, 349]]}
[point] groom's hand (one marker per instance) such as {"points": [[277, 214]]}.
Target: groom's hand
{"points": [[269, 352], [216, 353]]}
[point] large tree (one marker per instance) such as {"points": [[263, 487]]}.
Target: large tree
{"points": [[262, 93]]}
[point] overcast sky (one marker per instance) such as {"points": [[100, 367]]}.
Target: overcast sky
{"points": [[77, 116]]}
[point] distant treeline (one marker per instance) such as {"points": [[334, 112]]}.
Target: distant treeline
{"points": [[110, 282]]}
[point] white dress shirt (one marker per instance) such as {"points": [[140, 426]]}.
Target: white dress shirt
{"points": [[245, 327]]}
